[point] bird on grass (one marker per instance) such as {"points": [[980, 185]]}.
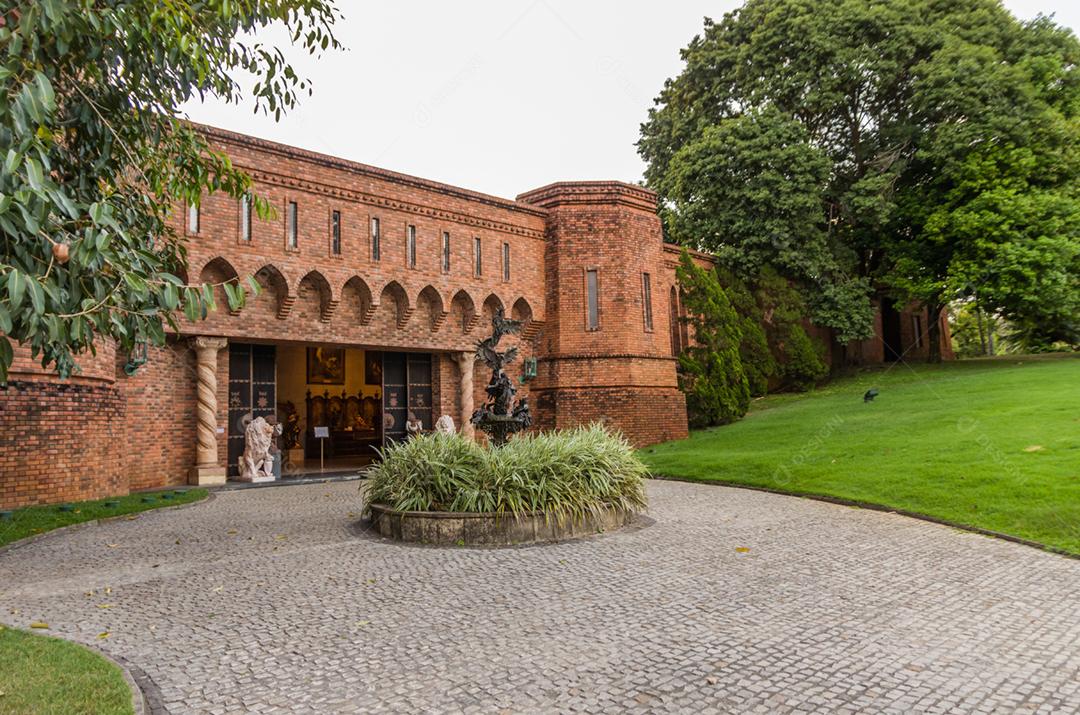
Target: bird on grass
{"points": [[870, 395]]}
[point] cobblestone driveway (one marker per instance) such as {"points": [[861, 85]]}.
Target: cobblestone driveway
{"points": [[264, 601]]}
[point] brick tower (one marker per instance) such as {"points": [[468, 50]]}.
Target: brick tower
{"points": [[605, 353]]}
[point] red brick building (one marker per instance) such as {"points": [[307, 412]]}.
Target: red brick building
{"points": [[376, 286]]}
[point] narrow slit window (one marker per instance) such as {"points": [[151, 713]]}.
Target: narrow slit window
{"points": [[916, 321], [245, 217], [446, 251], [478, 262], [376, 249], [506, 261], [411, 240], [646, 297], [193, 218], [292, 238], [591, 290]]}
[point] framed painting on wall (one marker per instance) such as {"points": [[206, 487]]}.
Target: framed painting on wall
{"points": [[372, 367], [326, 366]]}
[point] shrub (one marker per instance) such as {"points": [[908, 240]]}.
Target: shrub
{"points": [[803, 366], [571, 472], [757, 360], [711, 371]]}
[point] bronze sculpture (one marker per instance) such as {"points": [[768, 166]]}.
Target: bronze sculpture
{"points": [[500, 417]]}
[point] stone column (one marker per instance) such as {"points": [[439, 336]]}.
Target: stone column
{"points": [[207, 469], [465, 363]]}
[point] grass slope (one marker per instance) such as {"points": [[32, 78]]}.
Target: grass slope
{"points": [[33, 520], [990, 443], [47, 675]]}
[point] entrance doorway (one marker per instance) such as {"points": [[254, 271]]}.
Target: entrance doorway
{"points": [[337, 406], [252, 393], [890, 330], [407, 388]]}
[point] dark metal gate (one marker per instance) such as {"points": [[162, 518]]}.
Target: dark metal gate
{"points": [[252, 393]]}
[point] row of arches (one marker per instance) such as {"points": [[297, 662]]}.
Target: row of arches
{"points": [[460, 310]]}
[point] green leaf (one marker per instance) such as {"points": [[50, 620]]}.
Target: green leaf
{"points": [[136, 283], [37, 296], [233, 296], [12, 161], [5, 320], [16, 286], [33, 173], [172, 296], [191, 304], [45, 91]]}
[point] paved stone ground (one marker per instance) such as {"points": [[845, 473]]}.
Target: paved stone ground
{"points": [[265, 601]]}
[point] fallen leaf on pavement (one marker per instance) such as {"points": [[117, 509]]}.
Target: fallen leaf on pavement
{"points": [[742, 549], [103, 635], [39, 624]]}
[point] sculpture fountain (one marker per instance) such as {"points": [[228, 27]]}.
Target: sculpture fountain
{"points": [[500, 417]]}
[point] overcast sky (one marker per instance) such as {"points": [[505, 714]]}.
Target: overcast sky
{"points": [[499, 96]]}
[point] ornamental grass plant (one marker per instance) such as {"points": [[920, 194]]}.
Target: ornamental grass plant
{"points": [[568, 473]]}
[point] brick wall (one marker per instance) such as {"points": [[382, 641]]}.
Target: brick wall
{"points": [[57, 439], [311, 294], [621, 370], [158, 425]]}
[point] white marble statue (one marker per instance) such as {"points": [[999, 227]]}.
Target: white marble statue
{"points": [[445, 425], [258, 463]]}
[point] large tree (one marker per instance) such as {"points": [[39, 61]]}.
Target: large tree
{"points": [[913, 145], [95, 152]]}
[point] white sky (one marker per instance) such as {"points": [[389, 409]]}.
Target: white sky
{"points": [[499, 96]]}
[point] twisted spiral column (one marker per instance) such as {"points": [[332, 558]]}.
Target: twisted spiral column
{"points": [[465, 363], [207, 469]]}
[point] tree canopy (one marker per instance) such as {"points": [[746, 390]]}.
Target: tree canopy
{"points": [[97, 152], [914, 146]]}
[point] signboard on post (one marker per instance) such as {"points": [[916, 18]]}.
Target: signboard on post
{"points": [[322, 434]]}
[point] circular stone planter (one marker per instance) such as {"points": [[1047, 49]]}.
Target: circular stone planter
{"points": [[447, 528]]}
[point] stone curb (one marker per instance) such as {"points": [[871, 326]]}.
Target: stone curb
{"points": [[871, 506], [26, 541], [139, 703]]}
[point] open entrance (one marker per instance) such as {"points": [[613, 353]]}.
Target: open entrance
{"points": [[337, 405], [407, 389], [890, 330]]}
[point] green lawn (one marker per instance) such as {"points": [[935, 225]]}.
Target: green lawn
{"points": [[47, 675], [989, 443], [33, 520]]}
